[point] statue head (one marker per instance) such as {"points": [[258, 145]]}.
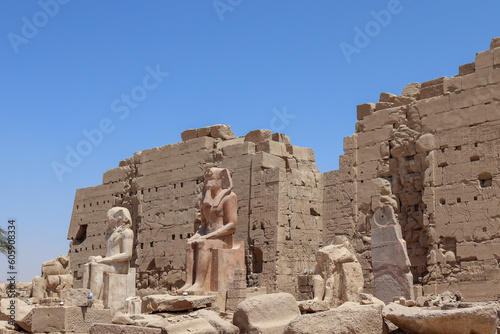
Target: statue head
{"points": [[119, 216], [217, 182]]}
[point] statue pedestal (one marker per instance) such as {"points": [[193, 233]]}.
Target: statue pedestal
{"points": [[223, 265], [117, 288]]}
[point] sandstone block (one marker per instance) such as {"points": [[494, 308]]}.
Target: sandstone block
{"points": [[432, 88], [458, 321], [484, 59], [67, 319], [221, 325], [221, 131], [461, 99], [189, 134], [495, 43], [160, 303], [387, 97], [256, 136], [272, 147], [281, 138], [466, 69], [412, 90], [266, 313], [383, 105], [122, 329], [364, 110], [452, 84], [230, 142], [348, 318]]}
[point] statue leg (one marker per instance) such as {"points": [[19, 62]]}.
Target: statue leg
{"points": [[189, 268], [97, 271], [318, 287], [202, 264], [86, 275]]}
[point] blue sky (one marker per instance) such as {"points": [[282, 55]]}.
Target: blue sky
{"points": [[133, 75]]}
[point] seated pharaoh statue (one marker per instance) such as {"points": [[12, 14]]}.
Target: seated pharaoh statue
{"points": [[120, 240], [209, 244]]}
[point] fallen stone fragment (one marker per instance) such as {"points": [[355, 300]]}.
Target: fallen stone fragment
{"points": [[218, 323], [346, 319], [413, 320], [122, 329], [269, 313], [312, 306], [164, 303]]}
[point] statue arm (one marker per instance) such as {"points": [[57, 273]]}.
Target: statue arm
{"points": [[230, 218], [127, 247]]}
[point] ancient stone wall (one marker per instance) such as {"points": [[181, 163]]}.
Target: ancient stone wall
{"points": [[433, 154], [279, 194]]}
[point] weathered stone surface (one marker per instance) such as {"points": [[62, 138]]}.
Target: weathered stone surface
{"points": [[346, 319], [339, 276], [67, 319], [182, 324], [256, 136], [221, 325], [160, 303], [269, 313], [389, 257], [311, 306], [56, 279], [77, 297], [459, 321], [22, 312], [122, 329]]}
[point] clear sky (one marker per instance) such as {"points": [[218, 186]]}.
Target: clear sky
{"points": [[132, 75]]}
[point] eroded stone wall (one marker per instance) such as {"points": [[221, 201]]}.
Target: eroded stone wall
{"points": [[433, 154], [279, 194]]}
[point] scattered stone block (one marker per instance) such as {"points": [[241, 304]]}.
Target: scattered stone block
{"points": [[122, 329], [77, 297], [221, 325], [312, 306], [67, 319], [350, 318], [269, 313], [479, 319], [162, 303]]}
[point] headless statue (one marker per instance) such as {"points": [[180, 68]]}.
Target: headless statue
{"points": [[218, 224], [120, 240]]}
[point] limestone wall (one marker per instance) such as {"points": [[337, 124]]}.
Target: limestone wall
{"points": [[433, 154], [279, 194]]}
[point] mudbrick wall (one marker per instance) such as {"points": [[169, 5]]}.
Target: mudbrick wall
{"points": [[279, 194], [432, 153]]}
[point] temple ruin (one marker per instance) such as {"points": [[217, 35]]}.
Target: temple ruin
{"points": [[432, 153]]}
